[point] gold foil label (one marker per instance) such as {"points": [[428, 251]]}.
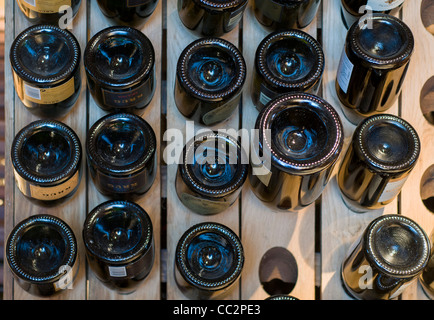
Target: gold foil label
{"points": [[45, 6], [49, 95], [48, 193]]}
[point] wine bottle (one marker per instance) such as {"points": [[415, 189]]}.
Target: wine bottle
{"points": [[120, 69], [300, 137], [53, 12], [209, 259], [373, 66], [286, 61], [41, 252], [427, 277], [210, 76], [276, 15], [211, 18], [383, 151], [282, 297], [211, 173], [389, 255], [46, 156], [122, 157], [119, 242], [132, 13], [45, 64], [353, 10]]}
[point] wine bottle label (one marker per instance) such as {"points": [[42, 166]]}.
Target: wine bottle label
{"points": [[234, 18], [45, 6], [47, 193], [345, 70], [392, 189], [384, 5], [136, 3], [125, 99], [265, 94], [117, 272], [49, 95]]}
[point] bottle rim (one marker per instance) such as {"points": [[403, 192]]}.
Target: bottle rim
{"points": [[326, 113], [400, 57], [381, 263], [195, 184], [363, 129], [22, 227], [143, 43], [306, 82], [107, 167], [196, 280], [221, 5], [50, 179], [220, 44], [32, 77], [144, 244]]}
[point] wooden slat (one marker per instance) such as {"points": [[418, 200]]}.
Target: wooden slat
{"points": [[340, 226], [151, 200], [271, 228], [180, 218], [420, 70], [70, 211]]}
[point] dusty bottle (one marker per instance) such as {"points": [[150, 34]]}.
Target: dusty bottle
{"points": [[286, 61], [46, 157], [373, 66], [122, 155], [383, 151], [389, 255], [211, 173], [211, 18], [119, 241], [300, 137], [283, 15], [133, 13], [210, 76], [45, 64], [54, 12], [209, 259], [353, 10], [42, 254], [120, 69]]}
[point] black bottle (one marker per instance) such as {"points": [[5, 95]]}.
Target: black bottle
{"points": [[210, 76], [45, 64], [353, 10], [427, 277], [383, 151], [373, 66], [211, 173], [122, 157], [300, 138], [42, 254], [389, 255], [282, 297], [119, 63], [211, 18], [133, 13], [209, 259], [51, 12], [286, 61], [119, 241], [283, 15], [46, 156]]}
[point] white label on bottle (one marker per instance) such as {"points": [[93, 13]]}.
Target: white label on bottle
{"points": [[32, 92], [117, 272], [345, 70], [263, 98], [392, 189], [384, 5]]}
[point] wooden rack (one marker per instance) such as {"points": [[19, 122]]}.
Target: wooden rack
{"points": [[318, 236]]}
